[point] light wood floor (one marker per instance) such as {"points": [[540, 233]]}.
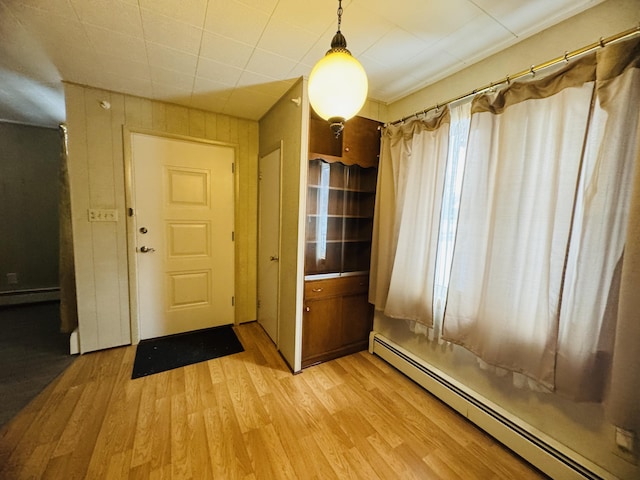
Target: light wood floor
{"points": [[246, 416]]}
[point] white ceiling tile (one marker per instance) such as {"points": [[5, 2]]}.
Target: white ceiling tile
{"points": [[396, 46], [267, 6], [170, 93], [171, 33], [115, 43], [319, 49], [165, 57], [484, 31], [111, 14], [520, 16], [235, 20], [269, 64], [77, 64], [218, 72], [300, 70], [361, 26], [197, 52], [62, 8], [432, 66], [204, 86], [225, 50], [250, 79], [316, 17], [123, 67], [186, 11], [287, 40], [17, 45], [131, 85], [171, 77], [52, 31], [426, 19]]}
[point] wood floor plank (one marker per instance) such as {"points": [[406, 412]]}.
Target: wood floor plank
{"points": [[246, 417], [180, 433], [142, 446], [161, 431]]}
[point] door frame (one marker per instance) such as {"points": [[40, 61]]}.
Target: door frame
{"points": [[279, 148], [127, 132]]}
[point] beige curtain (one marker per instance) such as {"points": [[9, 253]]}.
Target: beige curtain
{"points": [[539, 283], [68, 306], [522, 164], [592, 280], [406, 224], [619, 90], [545, 275]]}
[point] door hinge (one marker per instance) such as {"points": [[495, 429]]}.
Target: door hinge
{"points": [[233, 168], [233, 301], [233, 236], [258, 303], [130, 212]]}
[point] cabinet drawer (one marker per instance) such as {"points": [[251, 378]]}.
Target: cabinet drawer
{"points": [[330, 287]]}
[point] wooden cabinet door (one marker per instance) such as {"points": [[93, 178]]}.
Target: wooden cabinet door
{"points": [[337, 318], [357, 316], [361, 142], [320, 333]]}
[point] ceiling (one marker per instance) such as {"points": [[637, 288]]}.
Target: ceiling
{"points": [[239, 56]]}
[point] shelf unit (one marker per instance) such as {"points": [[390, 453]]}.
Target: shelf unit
{"points": [[341, 190], [340, 202]]}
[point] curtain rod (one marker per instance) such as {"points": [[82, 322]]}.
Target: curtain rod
{"points": [[532, 70]]}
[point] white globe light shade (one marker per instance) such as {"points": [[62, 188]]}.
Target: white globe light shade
{"points": [[337, 86]]}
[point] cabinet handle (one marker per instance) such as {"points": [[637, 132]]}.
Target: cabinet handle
{"points": [[316, 289], [347, 149], [307, 309]]}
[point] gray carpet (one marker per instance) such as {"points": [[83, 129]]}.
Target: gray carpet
{"points": [[32, 353]]}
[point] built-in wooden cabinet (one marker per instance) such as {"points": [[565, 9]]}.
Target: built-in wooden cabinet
{"points": [[341, 189], [337, 318]]}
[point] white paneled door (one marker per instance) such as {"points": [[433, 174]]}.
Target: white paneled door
{"points": [[269, 243], [183, 212]]}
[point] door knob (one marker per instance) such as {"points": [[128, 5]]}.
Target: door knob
{"points": [[144, 249], [274, 258]]}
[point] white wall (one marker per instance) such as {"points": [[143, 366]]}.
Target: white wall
{"points": [[580, 427]]}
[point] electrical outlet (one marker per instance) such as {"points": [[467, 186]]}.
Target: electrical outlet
{"points": [[626, 445], [12, 278]]}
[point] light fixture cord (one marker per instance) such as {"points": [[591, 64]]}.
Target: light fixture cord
{"points": [[339, 14]]}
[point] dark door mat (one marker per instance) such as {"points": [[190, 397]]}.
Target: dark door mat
{"points": [[157, 355]]}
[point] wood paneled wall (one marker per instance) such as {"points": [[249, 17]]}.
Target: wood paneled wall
{"points": [[96, 170]]}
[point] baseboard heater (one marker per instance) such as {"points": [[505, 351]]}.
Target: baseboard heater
{"points": [[546, 454], [20, 297]]}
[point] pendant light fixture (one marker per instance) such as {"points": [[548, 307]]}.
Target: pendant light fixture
{"points": [[338, 83]]}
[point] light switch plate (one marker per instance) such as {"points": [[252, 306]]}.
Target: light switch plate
{"points": [[102, 215]]}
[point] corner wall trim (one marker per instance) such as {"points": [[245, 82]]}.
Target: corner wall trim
{"points": [[74, 342]]}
